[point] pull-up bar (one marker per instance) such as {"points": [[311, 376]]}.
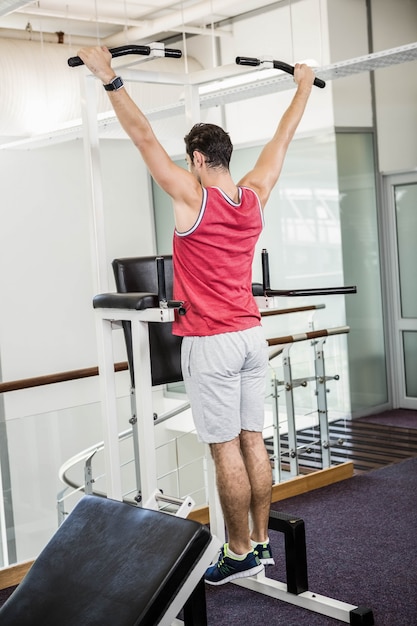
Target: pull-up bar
{"points": [[278, 65], [132, 49]]}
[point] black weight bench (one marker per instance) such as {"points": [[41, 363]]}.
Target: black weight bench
{"points": [[112, 564]]}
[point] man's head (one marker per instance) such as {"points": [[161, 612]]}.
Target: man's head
{"points": [[213, 142]]}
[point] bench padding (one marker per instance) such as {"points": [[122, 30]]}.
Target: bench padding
{"points": [[109, 564]]}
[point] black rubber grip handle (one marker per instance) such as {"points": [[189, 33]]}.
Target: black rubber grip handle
{"points": [[160, 270], [285, 67], [173, 53], [278, 65], [265, 270], [129, 49], [248, 61]]}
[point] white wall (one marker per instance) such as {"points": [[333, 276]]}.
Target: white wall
{"points": [[47, 234], [395, 24], [285, 34], [47, 283], [46, 313], [348, 32]]}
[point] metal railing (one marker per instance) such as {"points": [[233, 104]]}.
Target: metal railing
{"points": [[89, 484], [289, 456], [90, 479]]}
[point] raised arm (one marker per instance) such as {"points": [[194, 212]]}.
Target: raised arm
{"points": [[182, 186], [267, 169]]}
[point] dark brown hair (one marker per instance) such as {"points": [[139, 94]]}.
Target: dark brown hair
{"points": [[212, 141]]}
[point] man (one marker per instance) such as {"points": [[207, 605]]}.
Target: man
{"points": [[224, 352]]}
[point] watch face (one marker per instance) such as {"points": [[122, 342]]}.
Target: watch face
{"points": [[115, 84]]}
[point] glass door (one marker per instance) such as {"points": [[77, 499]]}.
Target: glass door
{"points": [[401, 241]]}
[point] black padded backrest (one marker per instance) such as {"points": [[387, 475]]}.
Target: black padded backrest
{"points": [[100, 568], [139, 274]]}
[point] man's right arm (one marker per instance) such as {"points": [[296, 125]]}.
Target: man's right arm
{"points": [[177, 182]]}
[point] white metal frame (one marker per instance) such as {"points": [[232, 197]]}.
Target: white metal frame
{"points": [[307, 600], [141, 353], [105, 319], [193, 579]]}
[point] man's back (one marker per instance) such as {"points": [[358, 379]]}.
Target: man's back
{"points": [[213, 265]]}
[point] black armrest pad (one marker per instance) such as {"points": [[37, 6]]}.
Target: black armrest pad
{"points": [[134, 301]]}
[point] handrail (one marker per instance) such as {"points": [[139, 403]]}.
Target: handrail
{"points": [[83, 456], [280, 342], [276, 341], [312, 334], [99, 446], [48, 379], [87, 372], [294, 309]]}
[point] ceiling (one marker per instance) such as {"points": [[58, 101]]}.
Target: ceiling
{"points": [[117, 22]]}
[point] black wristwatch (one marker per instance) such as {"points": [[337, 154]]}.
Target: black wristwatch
{"points": [[114, 85]]}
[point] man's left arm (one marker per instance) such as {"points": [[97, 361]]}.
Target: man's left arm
{"points": [[263, 177]]}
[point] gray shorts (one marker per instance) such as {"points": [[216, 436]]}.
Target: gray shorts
{"points": [[225, 378]]}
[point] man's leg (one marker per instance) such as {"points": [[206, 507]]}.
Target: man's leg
{"points": [[237, 558], [259, 473], [234, 489]]}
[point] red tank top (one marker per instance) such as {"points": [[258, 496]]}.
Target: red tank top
{"points": [[213, 265]]}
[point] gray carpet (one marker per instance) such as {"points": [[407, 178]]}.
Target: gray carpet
{"points": [[361, 546]]}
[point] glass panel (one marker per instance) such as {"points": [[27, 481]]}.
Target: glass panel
{"points": [[406, 222], [164, 216], [302, 231], [302, 222], [302, 235], [367, 358], [38, 445], [321, 230], [410, 352]]}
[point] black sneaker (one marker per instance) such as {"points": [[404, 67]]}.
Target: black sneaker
{"points": [[228, 568], [265, 553]]}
